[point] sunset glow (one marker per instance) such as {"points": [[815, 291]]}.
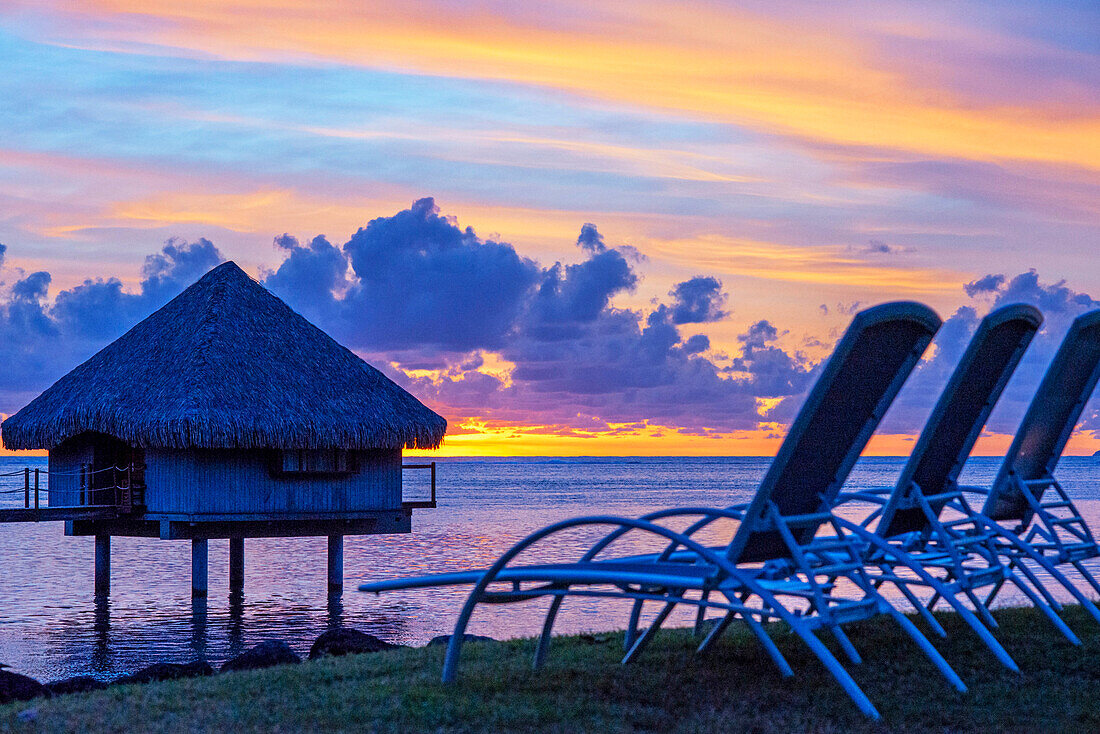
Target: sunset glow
{"points": [[570, 228]]}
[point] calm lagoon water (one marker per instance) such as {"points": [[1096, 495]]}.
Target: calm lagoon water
{"points": [[51, 626]]}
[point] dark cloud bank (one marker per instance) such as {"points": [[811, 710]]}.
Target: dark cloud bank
{"points": [[415, 292], [41, 340]]}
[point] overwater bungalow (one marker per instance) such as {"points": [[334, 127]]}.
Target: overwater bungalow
{"points": [[226, 414]]}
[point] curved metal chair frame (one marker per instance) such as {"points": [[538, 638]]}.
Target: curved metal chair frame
{"points": [[775, 531], [905, 551]]}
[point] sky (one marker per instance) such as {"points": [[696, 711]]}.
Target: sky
{"points": [[575, 228]]}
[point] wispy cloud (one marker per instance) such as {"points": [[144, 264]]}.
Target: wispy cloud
{"points": [[824, 81], [837, 264]]}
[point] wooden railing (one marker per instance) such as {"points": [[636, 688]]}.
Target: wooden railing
{"points": [[125, 491], [56, 504], [27, 487], [430, 503]]}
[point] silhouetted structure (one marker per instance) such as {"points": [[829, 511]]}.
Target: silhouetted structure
{"points": [[227, 414]]}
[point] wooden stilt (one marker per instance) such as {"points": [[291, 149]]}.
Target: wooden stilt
{"points": [[102, 565], [335, 564], [236, 565], [199, 558]]}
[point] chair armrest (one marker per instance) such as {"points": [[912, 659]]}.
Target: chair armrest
{"points": [[875, 495], [974, 490]]}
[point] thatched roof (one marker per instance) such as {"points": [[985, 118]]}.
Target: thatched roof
{"points": [[226, 364]]}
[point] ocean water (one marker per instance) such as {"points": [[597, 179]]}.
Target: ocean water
{"points": [[52, 627]]}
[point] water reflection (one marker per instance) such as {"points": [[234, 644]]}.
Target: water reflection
{"points": [[335, 610], [234, 630], [52, 627], [198, 627], [101, 631]]}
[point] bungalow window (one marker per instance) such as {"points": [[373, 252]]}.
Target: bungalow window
{"points": [[316, 461]]}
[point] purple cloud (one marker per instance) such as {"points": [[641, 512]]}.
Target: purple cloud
{"points": [[41, 341], [572, 295], [698, 301], [420, 281], [590, 240], [878, 247], [416, 291], [310, 276], [1059, 304], [984, 284], [579, 360]]}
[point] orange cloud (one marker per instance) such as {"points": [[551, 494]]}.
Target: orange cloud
{"points": [[256, 211], [788, 76], [265, 210], [480, 438], [269, 211], [833, 265]]}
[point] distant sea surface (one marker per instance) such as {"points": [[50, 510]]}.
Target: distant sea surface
{"points": [[51, 627]]}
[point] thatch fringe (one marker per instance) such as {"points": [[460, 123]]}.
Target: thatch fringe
{"points": [[226, 364]]}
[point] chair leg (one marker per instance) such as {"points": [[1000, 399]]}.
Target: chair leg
{"points": [[1087, 576], [981, 609], [1046, 610], [835, 668], [772, 649], [768, 644], [716, 631], [925, 614], [701, 614], [632, 625], [548, 625], [643, 641], [993, 593], [937, 596], [932, 601], [984, 634], [454, 645], [1038, 586], [721, 626], [929, 650], [845, 644], [1023, 548], [940, 590]]}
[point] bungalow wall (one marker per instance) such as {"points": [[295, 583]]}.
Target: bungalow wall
{"points": [[66, 459], [247, 482]]}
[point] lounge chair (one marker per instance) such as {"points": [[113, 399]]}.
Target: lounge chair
{"points": [[857, 385], [908, 524], [1026, 499], [929, 519]]}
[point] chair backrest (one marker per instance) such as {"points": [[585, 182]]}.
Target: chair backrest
{"points": [[1049, 420], [856, 386], [960, 414]]}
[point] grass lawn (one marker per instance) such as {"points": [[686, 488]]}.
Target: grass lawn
{"points": [[583, 688]]}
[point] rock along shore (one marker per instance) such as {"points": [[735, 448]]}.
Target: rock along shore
{"points": [[334, 642]]}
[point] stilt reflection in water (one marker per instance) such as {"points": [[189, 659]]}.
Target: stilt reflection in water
{"points": [[101, 630], [198, 626]]}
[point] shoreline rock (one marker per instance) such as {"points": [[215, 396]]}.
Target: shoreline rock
{"points": [[264, 655], [347, 641], [467, 637], [18, 687]]}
